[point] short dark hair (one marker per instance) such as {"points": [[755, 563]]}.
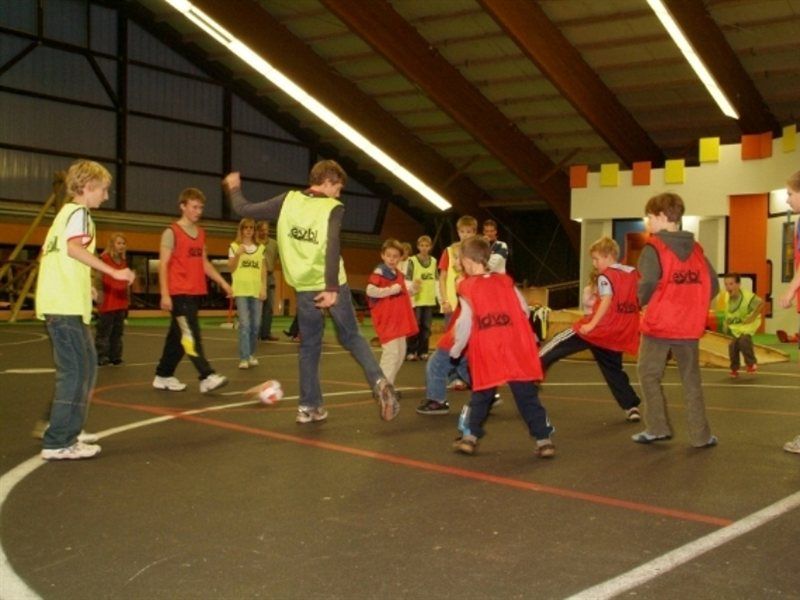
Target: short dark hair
{"points": [[668, 203], [327, 170]]}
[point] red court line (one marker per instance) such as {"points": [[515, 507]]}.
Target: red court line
{"points": [[433, 467]]}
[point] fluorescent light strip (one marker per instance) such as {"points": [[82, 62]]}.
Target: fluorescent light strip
{"points": [[224, 37], [691, 56]]}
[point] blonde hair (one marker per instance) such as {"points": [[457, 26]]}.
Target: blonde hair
{"points": [[109, 249], [242, 224], [83, 172], [467, 221], [424, 238], [605, 246]]}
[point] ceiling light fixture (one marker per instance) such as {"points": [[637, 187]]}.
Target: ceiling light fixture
{"points": [[224, 37], [691, 56]]}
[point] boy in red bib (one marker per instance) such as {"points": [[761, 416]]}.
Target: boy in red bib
{"points": [[676, 289], [502, 348], [390, 308], [611, 328]]}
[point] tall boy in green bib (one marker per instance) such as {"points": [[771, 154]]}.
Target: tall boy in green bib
{"points": [[308, 235]]}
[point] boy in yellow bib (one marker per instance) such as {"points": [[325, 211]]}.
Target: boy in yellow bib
{"points": [[308, 234], [742, 319], [64, 302]]}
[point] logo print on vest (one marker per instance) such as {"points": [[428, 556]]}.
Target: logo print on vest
{"points": [[627, 308], [493, 320], [686, 276], [195, 252], [248, 263], [427, 276], [304, 235]]}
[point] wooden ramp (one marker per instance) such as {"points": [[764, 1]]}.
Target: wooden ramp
{"points": [[714, 351], [713, 346]]}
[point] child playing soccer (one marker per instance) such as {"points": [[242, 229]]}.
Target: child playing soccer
{"points": [[114, 305], [742, 320], [64, 302], [676, 289], [450, 266], [390, 308], [249, 274], [502, 348], [422, 271], [182, 271], [611, 328]]}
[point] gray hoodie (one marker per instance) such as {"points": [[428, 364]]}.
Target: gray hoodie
{"points": [[681, 243]]}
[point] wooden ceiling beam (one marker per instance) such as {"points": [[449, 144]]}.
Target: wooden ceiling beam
{"points": [[267, 37], [402, 45], [544, 44], [724, 65]]}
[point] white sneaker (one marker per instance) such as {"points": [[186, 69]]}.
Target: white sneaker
{"points": [[252, 361], [77, 451], [308, 414], [243, 364], [793, 446], [212, 382], [171, 384]]}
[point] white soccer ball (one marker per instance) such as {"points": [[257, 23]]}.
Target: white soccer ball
{"points": [[270, 392]]}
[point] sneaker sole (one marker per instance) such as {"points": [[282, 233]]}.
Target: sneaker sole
{"points": [[57, 457], [444, 411]]}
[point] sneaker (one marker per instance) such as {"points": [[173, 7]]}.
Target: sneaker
{"points": [[734, 373], [117, 362], [458, 385], [411, 357], [102, 362], [633, 415], [252, 361], [466, 444], [212, 382], [496, 401], [545, 449], [171, 384], [793, 446], [77, 451], [712, 441], [308, 414], [424, 356], [243, 364], [386, 396], [752, 369], [432, 407], [648, 438]]}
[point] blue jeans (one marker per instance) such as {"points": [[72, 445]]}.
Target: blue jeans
{"points": [[312, 327], [75, 359], [439, 371], [248, 309], [526, 395], [418, 344]]}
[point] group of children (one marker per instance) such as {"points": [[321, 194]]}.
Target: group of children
{"points": [[488, 340]]}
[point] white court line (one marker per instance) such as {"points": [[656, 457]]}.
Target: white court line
{"points": [[12, 587], [675, 558], [39, 337]]}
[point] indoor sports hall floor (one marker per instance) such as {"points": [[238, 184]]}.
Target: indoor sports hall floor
{"points": [[216, 496]]}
